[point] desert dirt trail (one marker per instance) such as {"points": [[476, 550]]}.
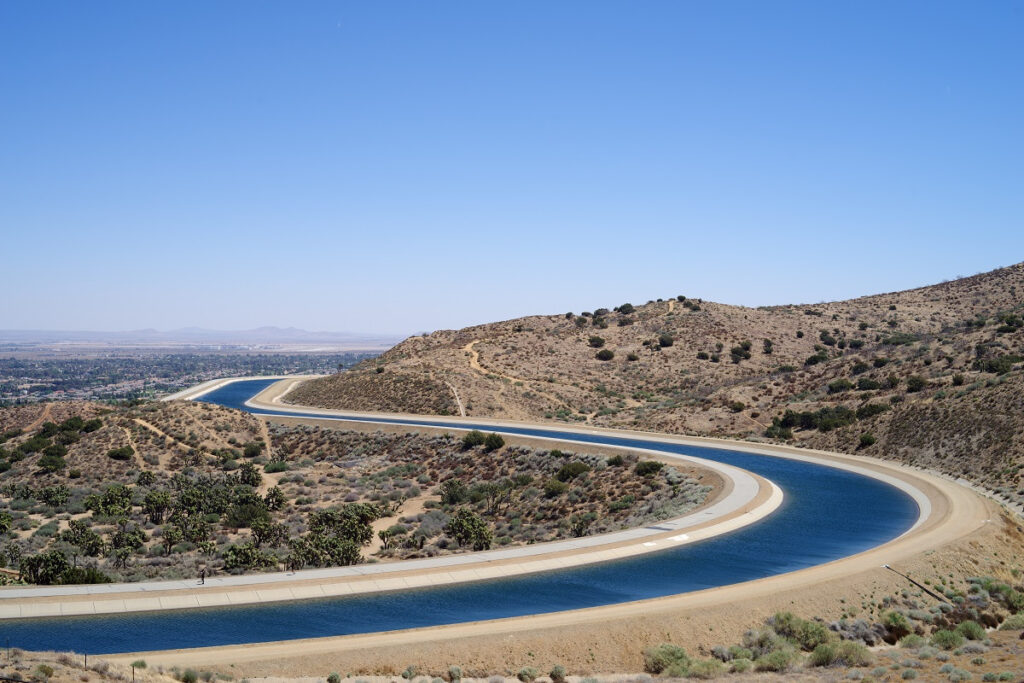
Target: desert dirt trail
{"points": [[611, 638], [458, 401], [165, 460], [474, 363], [43, 417], [136, 454]]}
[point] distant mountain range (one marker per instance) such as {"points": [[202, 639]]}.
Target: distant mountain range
{"points": [[196, 335]]}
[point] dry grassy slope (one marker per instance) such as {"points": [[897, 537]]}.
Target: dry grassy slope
{"points": [[160, 434], [542, 367]]}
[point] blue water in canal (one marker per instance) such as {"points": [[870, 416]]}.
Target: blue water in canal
{"points": [[827, 514]]}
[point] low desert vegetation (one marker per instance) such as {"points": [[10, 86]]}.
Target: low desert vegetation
{"points": [[947, 641], [199, 490], [933, 375]]}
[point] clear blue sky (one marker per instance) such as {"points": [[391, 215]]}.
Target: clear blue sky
{"points": [[408, 166]]}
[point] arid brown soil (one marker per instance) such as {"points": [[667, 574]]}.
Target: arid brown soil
{"points": [[939, 369]]}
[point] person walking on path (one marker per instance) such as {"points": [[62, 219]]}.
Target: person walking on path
{"points": [[202, 577]]}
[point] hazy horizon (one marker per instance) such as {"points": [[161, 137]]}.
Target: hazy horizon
{"points": [[356, 332], [358, 167]]}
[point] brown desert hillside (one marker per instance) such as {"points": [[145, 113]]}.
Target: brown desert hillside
{"points": [[930, 376]]}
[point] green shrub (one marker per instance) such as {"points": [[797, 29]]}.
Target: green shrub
{"points": [[737, 652], [740, 353], [741, 665], [571, 470], [762, 641], [615, 461], [839, 386], [1000, 365], [703, 355], [896, 623], [701, 668], [553, 488], [867, 439], [473, 438], [868, 384], [900, 339], [527, 674], [778, 660], [971, 630], [275, 466], [915, 383], [596, 342], [52, 463], [912, 641], [454, 673], [666, 340], [334, 678], [869, 410], [805, 633], [605, 354], [557, 674], [648, 468], [123, 453], [453, 491], [410, 672], [825, 654], [909, 675], [1014, 622], [189, 676], [947, 640], [853, 654], [493, 442], [818, 357], [660, 657]]}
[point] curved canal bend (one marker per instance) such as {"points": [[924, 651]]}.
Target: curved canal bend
{"points": [[827, 514]]}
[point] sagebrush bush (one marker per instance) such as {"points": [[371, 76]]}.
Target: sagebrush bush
{"points": [[805, 633], [701, 668], [527, 674], [782, 659], [660, 657], [947, 640], [971, 630], [912, 641], [740, 665], [1014, 622], [824, 655]]}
